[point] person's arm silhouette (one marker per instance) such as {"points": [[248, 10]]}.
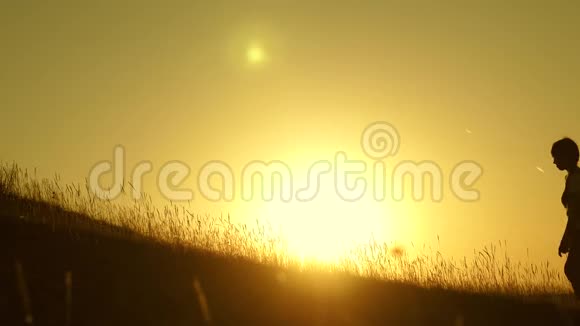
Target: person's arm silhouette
{"points": [[564, 247]]}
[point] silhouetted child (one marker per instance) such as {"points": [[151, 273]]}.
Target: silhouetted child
{"points": [[565, 153]]}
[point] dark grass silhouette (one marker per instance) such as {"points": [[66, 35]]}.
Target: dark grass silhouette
{"points": [[65, 268]]}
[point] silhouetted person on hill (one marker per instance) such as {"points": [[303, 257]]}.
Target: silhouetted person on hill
{"points": [[565, 153]]}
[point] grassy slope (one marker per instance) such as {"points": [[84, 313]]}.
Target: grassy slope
{"points": [[119, 278], [125, 271]]}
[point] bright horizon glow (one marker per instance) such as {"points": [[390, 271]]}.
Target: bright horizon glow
{"points": [[325, 229]]}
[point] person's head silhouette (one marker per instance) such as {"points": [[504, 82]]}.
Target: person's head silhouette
{"points": [[565, 154]]}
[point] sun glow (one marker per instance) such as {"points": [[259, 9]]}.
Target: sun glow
{"points": [[324, 230]]}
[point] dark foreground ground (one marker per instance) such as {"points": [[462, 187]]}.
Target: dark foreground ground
{"points": [[64, 277]]}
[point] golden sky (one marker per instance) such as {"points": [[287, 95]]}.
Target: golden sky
{"points": [[298, 81]]}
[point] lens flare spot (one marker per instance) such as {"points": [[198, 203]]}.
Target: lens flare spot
{"points": [[255, 54]]}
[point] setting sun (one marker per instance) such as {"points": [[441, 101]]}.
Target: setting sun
{"points": [[325, 229]]}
